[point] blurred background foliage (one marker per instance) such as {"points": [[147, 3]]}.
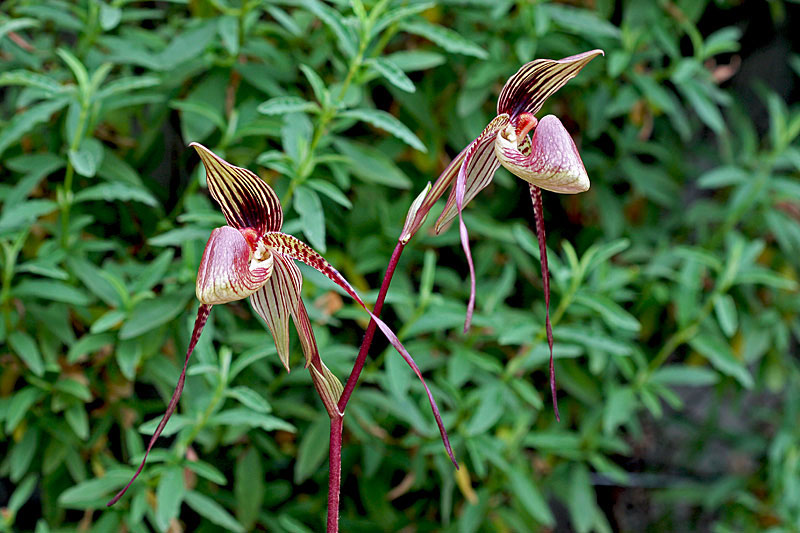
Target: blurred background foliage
{"points": [[675, 295]]}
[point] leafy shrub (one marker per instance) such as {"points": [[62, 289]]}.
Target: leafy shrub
{"points": [[674, 279]]}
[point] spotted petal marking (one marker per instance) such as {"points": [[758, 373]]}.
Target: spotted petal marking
{"points": [[245, 199], [480, 165], [277, 300], [553, 162], [202, 316], [288, 245], [535, 82], [226, 272]]}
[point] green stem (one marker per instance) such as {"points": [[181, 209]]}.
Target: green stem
{"points": [[69, 174], [210, 409]]}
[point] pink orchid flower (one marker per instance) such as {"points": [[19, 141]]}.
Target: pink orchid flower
{"points": [[548, 159], [250, 257]]}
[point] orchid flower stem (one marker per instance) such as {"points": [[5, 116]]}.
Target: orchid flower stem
{"points": [[370, 333], [337, 422], [335, 473]]}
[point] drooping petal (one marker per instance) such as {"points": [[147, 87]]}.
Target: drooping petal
{"points": [[202, 316], [538, 214], [327, 384], [277, 299], [553, 163], [227, 272], [480, 165], [536, 81], [245, 199], [288, 245]]}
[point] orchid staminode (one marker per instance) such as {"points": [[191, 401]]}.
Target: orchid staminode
{"points": [[250, 257], [548, 159]]}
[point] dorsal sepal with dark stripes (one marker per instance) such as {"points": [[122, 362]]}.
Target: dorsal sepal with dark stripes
{"points": [[245, 199], [527, 90]]}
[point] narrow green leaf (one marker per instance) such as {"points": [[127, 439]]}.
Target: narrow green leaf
{"points": [[387, 122], [719, 353], [393, 74], [372, 165], [27, 350], [281, 105], [445, 37], [214, 512], [530, 497], [25, 121], [312, 217]]}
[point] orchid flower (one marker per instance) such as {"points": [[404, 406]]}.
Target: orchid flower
{"points": [[250, 257], [546, 160]]}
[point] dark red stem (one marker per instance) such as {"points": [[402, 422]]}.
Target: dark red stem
{"points": [[335, 473], [335, 458], [367, 342]]}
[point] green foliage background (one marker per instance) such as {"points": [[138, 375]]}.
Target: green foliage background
{"points": [[674, 278]]}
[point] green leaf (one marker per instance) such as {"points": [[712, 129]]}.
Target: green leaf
{"points": [[312, 217], [241, 416], [489, 411], [706, 109], [117, 191], [23, 214], [228, 29], [187, 46], [22, 454], [331, 191], [207, 471], [530, 497], [94, 493], [609, 311], [74, 388], [387, 122], [685, 376], [17, 24], [317, 85], [128, 355], [722, 177], [445, 37], [249, 487], [414, 60], [176, 423], [51, 290], [78, 420], [109, 16], [393, 74], [19, 405], [214, 512], [24, 122], [345, 36], [169, 494], [78, 70], [581, 22], [281, 105], [27, 78], [720, 355], [25, 347], [582, 499], [725, 309], [149, 314], [249, 398], [312, 450], [92, 279], [89, 344], [87, 158], [372, 165], [21, 494], [127, 84]]}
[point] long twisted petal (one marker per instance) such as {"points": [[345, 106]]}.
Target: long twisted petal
{"points": [[245, 199], [480, 164], [277, 300], [202, 316], [226, 273], [538, 214], [535, 82], [553, 162], [293, 247]]}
